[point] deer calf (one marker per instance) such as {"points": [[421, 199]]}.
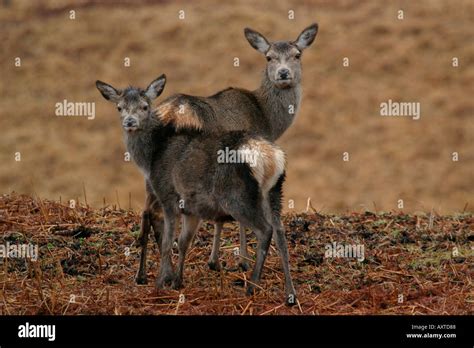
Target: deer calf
{"points": [[183, 166]]}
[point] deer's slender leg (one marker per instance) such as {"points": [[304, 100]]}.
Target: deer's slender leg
{"points": [[143, 240], [244, 264], [255, 219], [189, 227], [166, 274], [264, 236], [156, 222], [155, 218], [213, 262], [280, 241]]}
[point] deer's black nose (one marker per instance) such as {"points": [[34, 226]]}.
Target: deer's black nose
{"points": [[129, 122], [284, 74]]}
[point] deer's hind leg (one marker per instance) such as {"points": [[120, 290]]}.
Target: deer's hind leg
{"points": [[255, 218], [156, 221], [280, 241], [166, 274], [275, 196], [244, 263], [213, 262], [190, 226]]}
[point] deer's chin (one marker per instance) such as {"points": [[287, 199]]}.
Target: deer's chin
{"points": [[130, 130], [284, 84]]}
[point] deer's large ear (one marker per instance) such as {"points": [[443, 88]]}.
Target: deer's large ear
{"points": [[307, 36], [108, 92], [156, 87], [257, 40]]}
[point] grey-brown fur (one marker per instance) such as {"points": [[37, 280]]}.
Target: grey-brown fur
{"points": [[183, 166], [269, 111]]}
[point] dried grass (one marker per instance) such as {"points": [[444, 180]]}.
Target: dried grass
{"points": [[82, 255]]}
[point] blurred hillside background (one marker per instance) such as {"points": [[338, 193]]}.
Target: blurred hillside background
{"points": [[390, 158]]}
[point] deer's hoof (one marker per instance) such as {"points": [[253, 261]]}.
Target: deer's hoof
{"points": [[140, 279], [214, 266], [244, 266], [250, 290], [177, 284], [164, 280]]}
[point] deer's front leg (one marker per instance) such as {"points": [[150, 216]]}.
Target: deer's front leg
{"points": [[244, 263], [143, 240], [150, 219], [166, 273]]}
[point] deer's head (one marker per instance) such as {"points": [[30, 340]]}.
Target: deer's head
{"points": [[133, 104], [283, 57]]}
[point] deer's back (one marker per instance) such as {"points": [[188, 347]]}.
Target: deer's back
{"points": [[231, 109]]}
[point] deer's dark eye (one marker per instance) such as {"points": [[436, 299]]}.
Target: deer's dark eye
{"points": [[119, 108], [145, 107], [298, 56], [268, 58]]}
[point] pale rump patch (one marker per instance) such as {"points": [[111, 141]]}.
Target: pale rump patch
{"points": [[270, 163], [180, 116]]}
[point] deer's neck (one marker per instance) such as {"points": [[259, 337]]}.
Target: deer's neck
{"points": [[279, 106], [142, 148]]}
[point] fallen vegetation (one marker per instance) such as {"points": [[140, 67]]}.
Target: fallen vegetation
{"points": [[413, 264]]}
